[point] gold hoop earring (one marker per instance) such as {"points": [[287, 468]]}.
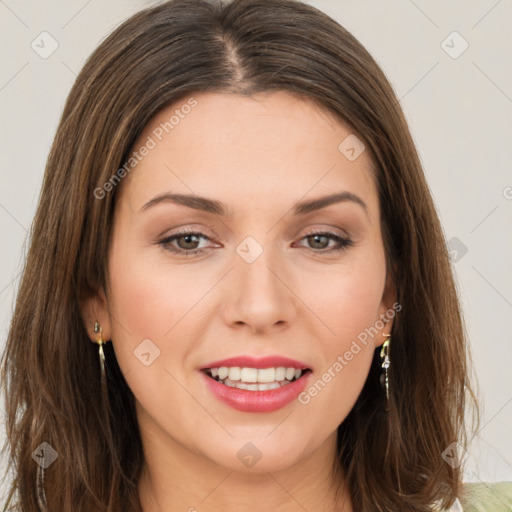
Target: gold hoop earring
{"points": [[101, 342], [384, 354]]}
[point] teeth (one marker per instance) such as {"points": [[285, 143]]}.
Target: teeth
{"points": [[249, 375], [270, 385], [267, 375], [253, 387], [234, 373], [256, 376], [223, 372], [290, 373], [280, 373]]}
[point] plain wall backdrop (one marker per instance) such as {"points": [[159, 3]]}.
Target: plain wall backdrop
{"points": [[451, 67]]}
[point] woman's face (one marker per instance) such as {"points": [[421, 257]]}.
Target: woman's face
{"points": [[261, 285]]}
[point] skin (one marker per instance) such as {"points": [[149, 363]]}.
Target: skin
{"points": [[299, 298]]}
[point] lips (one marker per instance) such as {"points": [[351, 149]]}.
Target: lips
{"points": [[262, 362], [252, 389], [257, 401]]}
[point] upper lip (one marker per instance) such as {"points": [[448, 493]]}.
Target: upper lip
{"points": [[261, 362]]}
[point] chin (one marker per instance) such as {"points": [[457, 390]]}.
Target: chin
{"points": [[260, 455]]}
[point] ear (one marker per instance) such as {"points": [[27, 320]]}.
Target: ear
{"points": [[387, 310], [95, 309]]}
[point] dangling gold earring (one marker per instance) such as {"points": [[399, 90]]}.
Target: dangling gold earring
{"points": [[41, 495], [384, 354], [100, 342]]}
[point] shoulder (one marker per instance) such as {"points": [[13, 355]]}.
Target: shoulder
{"points": [[485, 497]]}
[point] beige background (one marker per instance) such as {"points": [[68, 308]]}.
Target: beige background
{"points": [[459, 110]]}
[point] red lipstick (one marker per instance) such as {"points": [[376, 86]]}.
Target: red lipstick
{"points": [[248, 400], [262, 362]]}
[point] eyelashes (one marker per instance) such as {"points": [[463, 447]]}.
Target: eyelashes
{"points": [[167, 242]]}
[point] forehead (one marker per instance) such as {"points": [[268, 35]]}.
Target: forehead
{"points": [[271, 147]]}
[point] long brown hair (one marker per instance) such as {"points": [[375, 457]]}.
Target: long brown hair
{"points": [[50, 371]]}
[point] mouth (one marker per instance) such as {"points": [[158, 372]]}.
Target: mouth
{"points": [[255, 379], [256, 384]]}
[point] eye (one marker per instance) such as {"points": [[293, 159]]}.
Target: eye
{"points": [[187, 242], [321, 240]]}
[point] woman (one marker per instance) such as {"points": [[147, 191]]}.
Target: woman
{"points": [[307, 349]]}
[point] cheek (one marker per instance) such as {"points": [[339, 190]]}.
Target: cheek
{"points": [[148, 299], [347, 299], [348, 303], [145, 306], [153, 305], [333, 391], [346, 355]]}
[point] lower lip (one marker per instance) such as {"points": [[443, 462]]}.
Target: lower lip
{"points": [[257, 401]]}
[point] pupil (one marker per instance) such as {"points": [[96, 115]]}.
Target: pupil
{"points": [[315, 238], [187, 238]]}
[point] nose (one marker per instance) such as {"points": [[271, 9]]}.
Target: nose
{"points": [[259, 294]]}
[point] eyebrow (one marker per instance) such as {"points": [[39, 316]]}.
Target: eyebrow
{"points": [[218, 208]]}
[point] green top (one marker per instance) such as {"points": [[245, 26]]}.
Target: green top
{"points": [[484, 497]]}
